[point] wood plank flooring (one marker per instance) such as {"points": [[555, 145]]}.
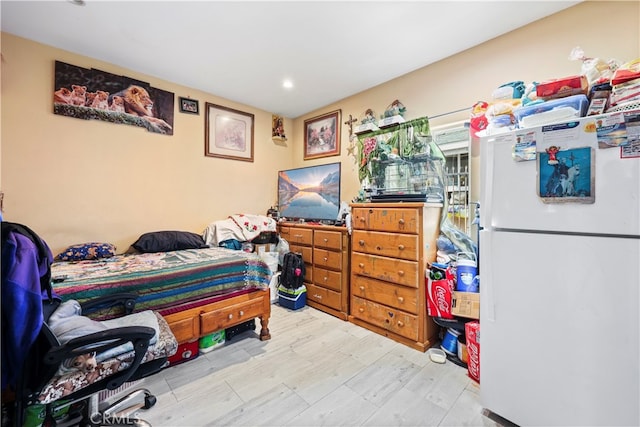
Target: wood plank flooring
{"points": [[316, 370]]}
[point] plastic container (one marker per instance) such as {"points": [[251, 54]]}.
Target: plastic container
{"points": [[450, 342], [467, 279], [463, 355], [552, 111], [293, 299], [437, 355]]}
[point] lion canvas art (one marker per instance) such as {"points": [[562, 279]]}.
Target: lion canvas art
{"points": [[93, 94]]}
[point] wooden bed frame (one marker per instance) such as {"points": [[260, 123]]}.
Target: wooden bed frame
{"points": [[193, 323]]}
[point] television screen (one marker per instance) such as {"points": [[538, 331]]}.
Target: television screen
{"points": [[311, 193]]}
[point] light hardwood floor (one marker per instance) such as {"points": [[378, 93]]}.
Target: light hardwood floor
{"points": [[316, 370]]}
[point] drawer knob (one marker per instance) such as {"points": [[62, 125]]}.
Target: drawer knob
{"points": [[401, 247], [361, 309], [361, 219], [362, 288], [361, 242], [401, 221], [325, 278], [326, 240], [230, 316], [317, 296], [400, 299], [325, 258], [241, 313], [400, 273], [361, 265], [400, 324]]}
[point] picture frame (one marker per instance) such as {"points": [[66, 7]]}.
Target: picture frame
{"points": [[189, 106], [322, 136], [228, 133], [566, 176]]}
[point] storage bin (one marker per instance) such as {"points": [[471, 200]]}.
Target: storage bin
{"points": [[553, 111], [293, 299]]}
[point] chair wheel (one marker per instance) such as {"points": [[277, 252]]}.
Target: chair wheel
{"points": [[149, 401]]}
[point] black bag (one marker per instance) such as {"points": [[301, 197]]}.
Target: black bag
{"points": [[292, 275]]}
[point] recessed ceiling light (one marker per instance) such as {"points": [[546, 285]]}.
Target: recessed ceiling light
{"points": [[287, 84], [77, 2]]}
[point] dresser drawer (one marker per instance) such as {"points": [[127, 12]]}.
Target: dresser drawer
{"points": [[400, 297], [308, 273], [393, 245], [388, 269], [383, 219], [302, 236], [225, 317], [184, 328], [327, 239], [306, 251], [328, 279], [324, 296], [325, 258], [385, 317]]}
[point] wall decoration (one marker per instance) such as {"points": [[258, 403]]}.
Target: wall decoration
{"points": [[566, 176], [322, 136], [189, 106], [277, 128], [86, 93], [228, 133]]}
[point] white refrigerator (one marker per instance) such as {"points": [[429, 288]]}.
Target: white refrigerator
{"points": [[559, 276]]}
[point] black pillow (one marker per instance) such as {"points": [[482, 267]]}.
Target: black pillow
{"points": [[164, 241]]}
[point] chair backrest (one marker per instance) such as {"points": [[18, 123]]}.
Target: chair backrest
{"points": [[26, 283]]}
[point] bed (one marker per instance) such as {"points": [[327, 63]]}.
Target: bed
{"points": [[197, 291]]}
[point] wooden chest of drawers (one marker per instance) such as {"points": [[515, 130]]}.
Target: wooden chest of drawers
{"points": [[325, 250], [391, 246]]}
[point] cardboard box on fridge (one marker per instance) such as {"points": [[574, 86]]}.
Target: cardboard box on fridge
{"points": [[466, 304], [472, 334]]}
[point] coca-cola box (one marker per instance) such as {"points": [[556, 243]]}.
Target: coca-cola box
{"points": [[472, 333], [439, 298]]}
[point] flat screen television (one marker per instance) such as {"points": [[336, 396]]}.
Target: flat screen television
{"points": [[311, 193]]}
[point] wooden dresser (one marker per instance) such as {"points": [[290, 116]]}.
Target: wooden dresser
{"points": [[391, 245], [325, 250]]}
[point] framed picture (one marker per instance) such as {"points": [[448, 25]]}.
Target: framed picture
{"points": [[228, 133], [189, 106], [566, 176], [322, 136]]}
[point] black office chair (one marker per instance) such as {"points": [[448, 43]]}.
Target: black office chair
{"points": [[58, 367], [43, 383]]}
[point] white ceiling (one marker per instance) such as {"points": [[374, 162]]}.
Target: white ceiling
{"points": [[243, 50]]}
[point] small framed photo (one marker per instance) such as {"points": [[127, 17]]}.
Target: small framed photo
{"points": [[228, 133], [189, 106], [322, 136], [566, 176]]}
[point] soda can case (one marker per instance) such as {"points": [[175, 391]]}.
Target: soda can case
{"points": [[472, 333], [439, 294]]}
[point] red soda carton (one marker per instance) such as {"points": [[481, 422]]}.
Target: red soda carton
{"points": [[440, 285], [472, 332]]}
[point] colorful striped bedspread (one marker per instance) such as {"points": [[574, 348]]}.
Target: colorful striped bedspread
{"points": [[163, 281]]}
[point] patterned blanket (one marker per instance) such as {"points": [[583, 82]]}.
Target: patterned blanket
{"points": [[163, 280]]}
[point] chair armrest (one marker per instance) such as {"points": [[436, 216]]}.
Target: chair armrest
{"points": [[139, 336], [128, 301]]}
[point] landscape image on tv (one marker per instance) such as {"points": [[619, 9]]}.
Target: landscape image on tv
{"points": [[310, 193]]}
